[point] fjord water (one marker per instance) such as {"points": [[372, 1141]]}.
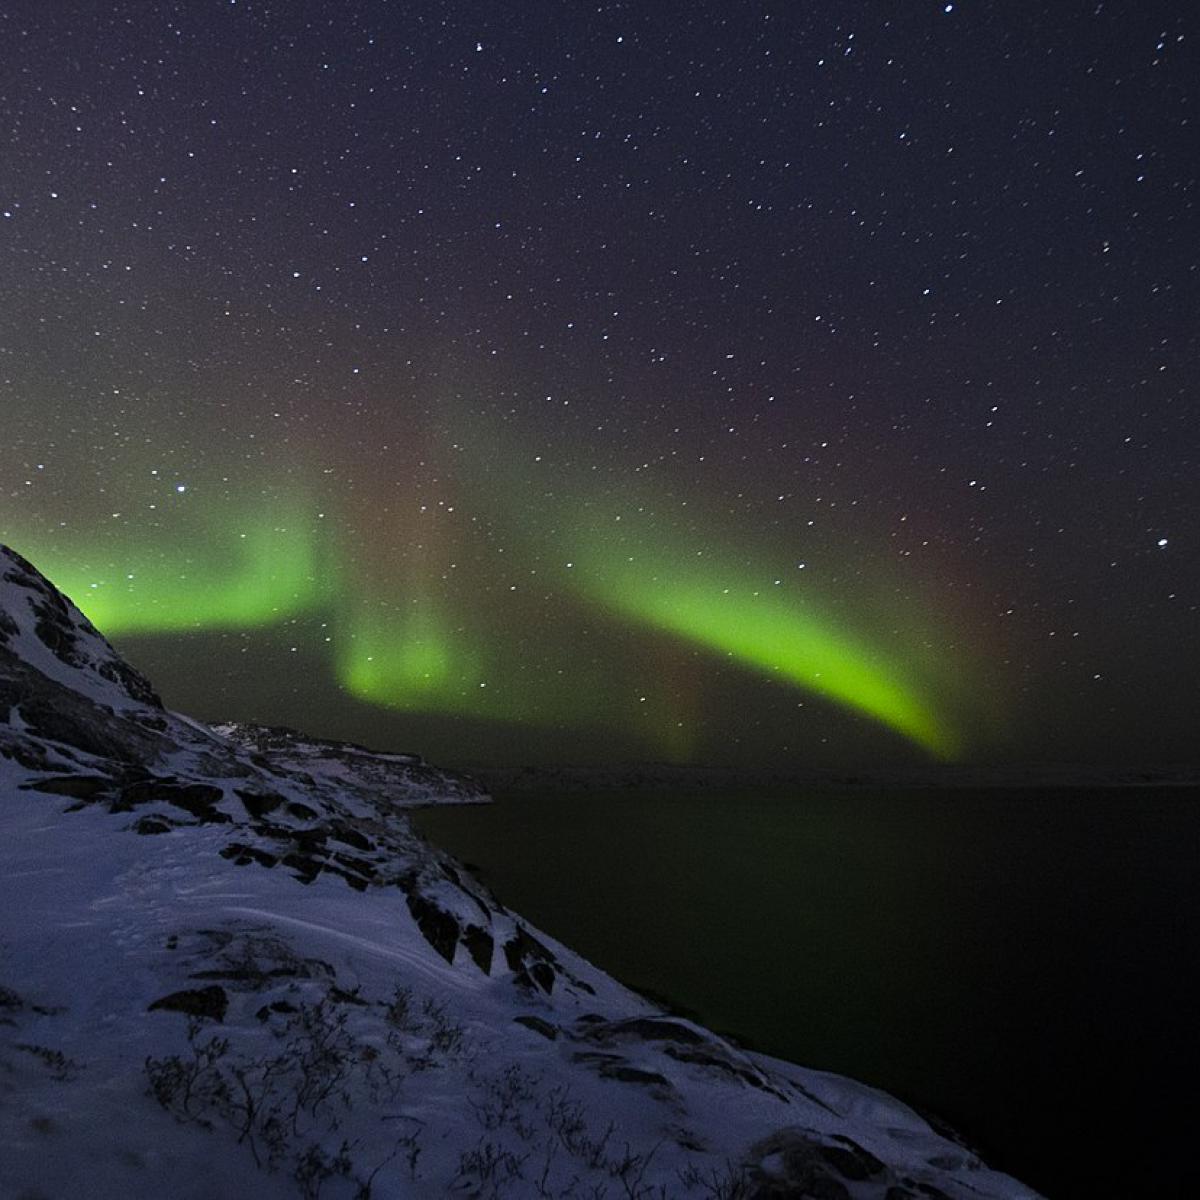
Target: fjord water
{"points": [[1020, 964]]}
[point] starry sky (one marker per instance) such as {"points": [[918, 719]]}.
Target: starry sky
{"points": [[718, 382]]}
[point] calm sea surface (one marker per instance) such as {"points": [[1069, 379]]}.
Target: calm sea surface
{"points": [[1023, 964]]}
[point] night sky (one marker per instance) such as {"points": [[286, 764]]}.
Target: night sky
{"points": [[786, 382]]}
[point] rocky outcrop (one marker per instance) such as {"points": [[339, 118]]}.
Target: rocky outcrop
{"points": [[62, 630], [211, 1002]]}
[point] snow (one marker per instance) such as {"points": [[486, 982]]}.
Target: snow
{"points": [[89, 910], [17, 599], [336, 957]]}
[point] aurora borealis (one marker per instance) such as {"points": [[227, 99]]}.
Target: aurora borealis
{"points": [[412, 645], [704, 382]]}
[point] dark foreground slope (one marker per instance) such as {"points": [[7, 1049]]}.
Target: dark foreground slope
{"points": [[229, 967]]}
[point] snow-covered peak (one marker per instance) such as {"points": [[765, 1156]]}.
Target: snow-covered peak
{"points": [[42, 628]]}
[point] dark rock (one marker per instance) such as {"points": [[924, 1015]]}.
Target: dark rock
{"points": [[276, 1006], [805, 1167], [437, 926], [258, 804], [198, 799], [62, 628], [259, 975], [713, 1058], [944, 1129], [301, 812], [536, 974], [73, 722], [530, 962], [152, 824], [613, 1066], [349, 836], [821, 1187], [824, 1188], [209, 1002], [55, 629], [308, 840], [480, 945], [650, 1029], [10, 1002], [596, 1058], [624, 1073], [242, 855], [538, 1026], [362, 867], [266, 829], [850, 1159], [934, 1193], [132, 682], [306, 867], [255, 976], [357, 882], [81, 787], [29, 755], [479, 904]]}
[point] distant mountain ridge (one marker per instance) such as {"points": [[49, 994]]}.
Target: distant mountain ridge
{"points": [[700, 777], [229, 966]]}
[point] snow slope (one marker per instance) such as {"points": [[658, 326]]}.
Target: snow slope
{"points": [[230, 967]]}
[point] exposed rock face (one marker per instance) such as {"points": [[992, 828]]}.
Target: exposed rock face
{"points": [[404, 779], [91, 728], [61, 630], [439, 928], [800, 1162], [211, 1002]]}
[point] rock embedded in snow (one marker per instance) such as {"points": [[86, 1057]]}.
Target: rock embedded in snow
{"points": [[43, 628], [280, 989]]}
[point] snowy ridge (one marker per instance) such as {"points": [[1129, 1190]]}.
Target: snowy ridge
{"points": [[230, 967], [45, 630]]}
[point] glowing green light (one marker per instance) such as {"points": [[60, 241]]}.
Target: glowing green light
{"points": [[409, 661], [767, 633], [422, 655], [258, 576], [424, 615], [636, 554]]}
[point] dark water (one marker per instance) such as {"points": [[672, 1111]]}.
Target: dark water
{"points": [[1023, 964]]}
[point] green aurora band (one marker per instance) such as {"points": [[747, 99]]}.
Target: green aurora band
{"points": [[766, 633], [409, 661], [666, 573], [414, 657], [414, 649], [258, 574]]}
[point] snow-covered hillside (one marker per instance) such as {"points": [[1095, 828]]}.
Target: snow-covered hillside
{"points": [[229, 967]]}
